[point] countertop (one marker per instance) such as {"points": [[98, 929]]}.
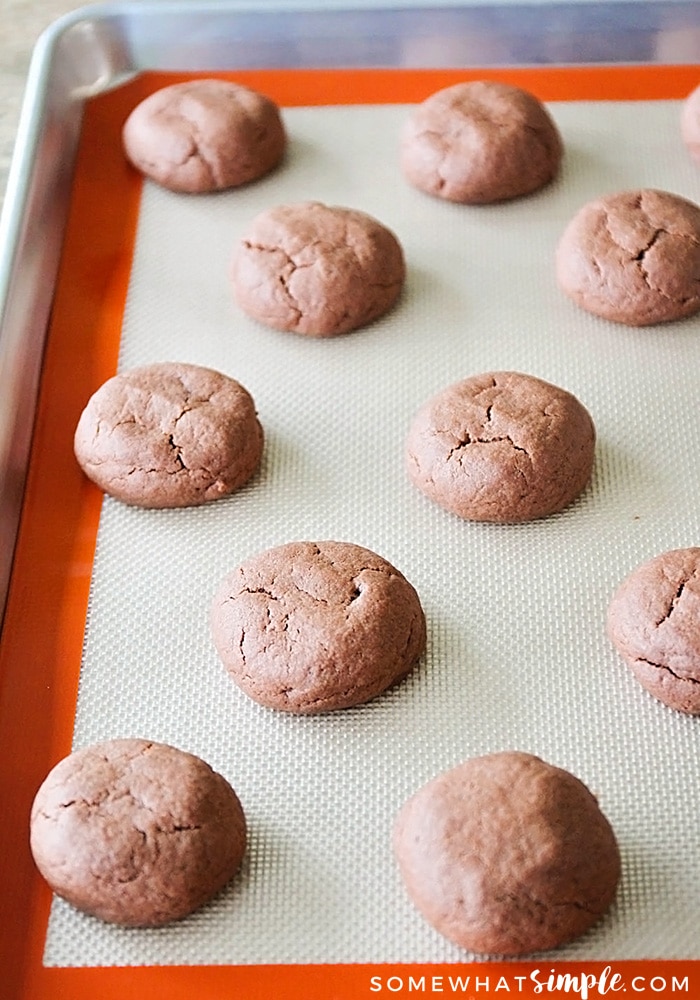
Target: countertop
{"points": [[21, 24]]}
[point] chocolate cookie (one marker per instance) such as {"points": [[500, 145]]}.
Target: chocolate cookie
{"points": [[690, 124], [654, 623], [309, 628], [169, 435], [135, 832], [204, 135], [502, 447], [507, 855], [316, 269], [480, 142], [633, 257]]}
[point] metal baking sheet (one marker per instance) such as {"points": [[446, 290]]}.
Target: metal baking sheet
{"points": [[109, 67]]}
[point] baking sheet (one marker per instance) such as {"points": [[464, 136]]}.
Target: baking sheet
{"points": [[516, 655]]}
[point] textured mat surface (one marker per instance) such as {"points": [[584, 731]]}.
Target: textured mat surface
{"points": [[517, 656]]}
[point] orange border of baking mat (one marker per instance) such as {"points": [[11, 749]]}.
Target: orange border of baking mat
{"points": [[42, 640]]}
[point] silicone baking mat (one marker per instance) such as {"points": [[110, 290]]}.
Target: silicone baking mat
{"points": [[517, 657]]}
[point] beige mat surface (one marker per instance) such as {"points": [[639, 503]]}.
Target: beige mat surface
{"points": [[517, 656]]}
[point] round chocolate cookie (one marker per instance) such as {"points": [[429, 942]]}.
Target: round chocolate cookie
{"points": [[309, 628], [316, 269], [654, 623], [480, 142], [507, 855], [690, 124], [633, 257], [503, 447], [135, 832], [204, 135], [169, 435]]}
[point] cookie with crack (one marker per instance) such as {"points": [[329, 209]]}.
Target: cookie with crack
{"points": [[316, 269], [204, 135], [690, 124], [480, 142], [312, 627], [654, 623], [501, 446], [169, 434], [633, 257], [507, 855], [135, 832]]}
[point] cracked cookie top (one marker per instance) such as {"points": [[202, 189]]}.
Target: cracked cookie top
{"points": [[204, 135], [503, 447], [316, 269], [169, 435], [633, 257], [507, 854], [135, 832], [654, 623], [312, 627], [480, 142], [690, 124]]}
